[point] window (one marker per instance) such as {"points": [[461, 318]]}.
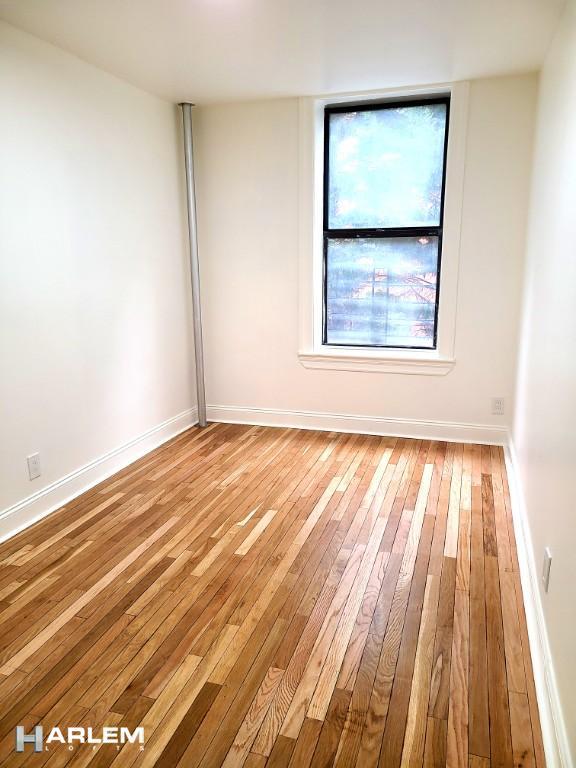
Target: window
{"points": [[383, 205]]}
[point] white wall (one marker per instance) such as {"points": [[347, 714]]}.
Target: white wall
{"points": [[95, 348], [248, 223], [545, 421]]}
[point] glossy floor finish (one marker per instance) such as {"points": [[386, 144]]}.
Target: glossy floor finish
{"points": [[255, 596]]}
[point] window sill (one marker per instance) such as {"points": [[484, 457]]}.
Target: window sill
{"points": [[412, 362]]}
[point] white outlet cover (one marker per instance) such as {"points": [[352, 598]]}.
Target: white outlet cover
{"points": [[498, 406], [34, 469]]}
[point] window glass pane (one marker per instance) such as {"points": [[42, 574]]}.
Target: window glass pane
{"points": [[386, 166], [382, 291]]}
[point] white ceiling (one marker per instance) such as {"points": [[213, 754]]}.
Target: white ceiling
{"points": [[221, 50]]}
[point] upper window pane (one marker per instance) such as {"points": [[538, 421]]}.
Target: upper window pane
{"points": [[386, 167]]}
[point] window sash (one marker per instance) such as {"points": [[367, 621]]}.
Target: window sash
{"points": [[352, 233], [412, 234]]}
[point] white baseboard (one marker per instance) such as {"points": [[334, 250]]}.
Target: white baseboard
{"points": [[370, 425], [554, 735], [19, 516], [33, 508]]}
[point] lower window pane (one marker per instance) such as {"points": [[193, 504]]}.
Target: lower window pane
{"points": [[382, 291]]}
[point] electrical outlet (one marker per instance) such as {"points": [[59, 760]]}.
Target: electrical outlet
{"points": [[498, 406], [34, 470], [546, 568]]}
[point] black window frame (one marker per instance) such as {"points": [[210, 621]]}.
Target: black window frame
{"points": [[379, 232]]}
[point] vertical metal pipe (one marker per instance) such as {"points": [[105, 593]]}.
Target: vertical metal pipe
{"points": [[194, 265]]}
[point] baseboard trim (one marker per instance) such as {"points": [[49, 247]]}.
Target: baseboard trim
{"points": [[19, 516], [370, 425], [554, 733]]}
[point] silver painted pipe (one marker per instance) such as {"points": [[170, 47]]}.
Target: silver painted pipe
{"points": [[194, 265]]}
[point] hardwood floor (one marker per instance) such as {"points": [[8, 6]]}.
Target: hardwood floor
{"points": [[255, 596]]}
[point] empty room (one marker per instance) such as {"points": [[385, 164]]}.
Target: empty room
{"points": [[288, 381]]}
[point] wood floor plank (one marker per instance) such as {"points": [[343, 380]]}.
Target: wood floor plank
{"points": [[332, 727], [512, 641], [522, 740], [305, 746], [282, 753], [350, 740], [394, 732], [214, 739], [188, 726], [457, 741], [478, 707], [327, 680], [435, 746], [407, 540], [415, 734], [533, 704], [253, 720], [276, 597], [440, 685], [500, 735]]}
